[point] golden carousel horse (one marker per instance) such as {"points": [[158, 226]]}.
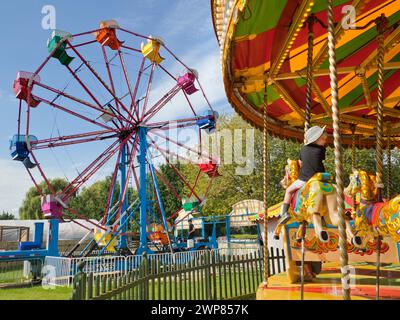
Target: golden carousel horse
{"points": [[372, 218], [315, 203]]}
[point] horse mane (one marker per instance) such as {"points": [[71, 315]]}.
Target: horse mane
{"points": [[368, 185]]}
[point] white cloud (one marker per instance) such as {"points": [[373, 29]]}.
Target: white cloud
{"points": [[205, 59], [14, 183]]}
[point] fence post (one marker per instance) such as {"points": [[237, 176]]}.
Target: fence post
{"points": [[146, 277], [214, 274], [90, 286], [208, 277], [78, 283]]}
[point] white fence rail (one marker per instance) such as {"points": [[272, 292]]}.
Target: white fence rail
{"points": [[60, 271]]}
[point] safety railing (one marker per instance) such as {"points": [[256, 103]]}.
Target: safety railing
{"points": [[61, 271], [203, 275]]}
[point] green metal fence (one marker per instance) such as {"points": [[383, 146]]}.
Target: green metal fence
{"points": [[209, 276]]}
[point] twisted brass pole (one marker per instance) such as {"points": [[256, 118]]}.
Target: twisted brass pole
{"points": [[389, 166], [265, 184], [353, 146], [307, 120], [353, 162], [381, 24], [338, 151]]}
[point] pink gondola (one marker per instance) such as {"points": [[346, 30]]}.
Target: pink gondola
{"points": [[51, 208], [186, 82]]}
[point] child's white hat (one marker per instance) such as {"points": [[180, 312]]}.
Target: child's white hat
{"points": [[313, 134]]}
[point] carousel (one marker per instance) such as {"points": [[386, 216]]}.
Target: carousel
{"points": [[291, 65]]}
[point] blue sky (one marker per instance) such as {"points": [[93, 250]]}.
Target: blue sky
{"points": [[185, 25]]}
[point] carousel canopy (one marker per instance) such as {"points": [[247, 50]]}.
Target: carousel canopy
{"points": [[266, 41]]}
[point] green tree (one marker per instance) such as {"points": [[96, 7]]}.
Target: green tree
{"points": [[232, 188], [170, 201], [6, 216], [31, 208], [91, 201]]}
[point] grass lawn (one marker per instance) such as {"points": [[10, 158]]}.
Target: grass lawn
{"points": [[11, 276], [244, 236], [36, 293]]}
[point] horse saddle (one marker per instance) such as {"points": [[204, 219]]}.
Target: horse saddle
{"points": [[325, 185]]}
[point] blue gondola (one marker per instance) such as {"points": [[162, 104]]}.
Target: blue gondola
{"points": [[208, 121], [19, 150]]}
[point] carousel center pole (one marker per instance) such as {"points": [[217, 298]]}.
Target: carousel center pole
{"points": [[338, 152]]}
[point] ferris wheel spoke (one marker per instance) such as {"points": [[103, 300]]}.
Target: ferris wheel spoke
{"points": [[168, 184], [185, 122], [112, 188], [128, 83], [38, 188], [85, 33], [72, 139], [99, 105], [134, 106], [107, 62], [127, 178], [196, 181], [131, 49], [176, 126], [189, 103], [168, 73], [181, 177], [134, 34], [73, 113], [149, 83], [161, 103], [81, 101], [198, 82], [170, 153], [185, 94], [166, 123], [198, 153], [83, 44], [75, 213], [195, 207], [135, 149], [49, 185], [90, 170], [100, 80]]}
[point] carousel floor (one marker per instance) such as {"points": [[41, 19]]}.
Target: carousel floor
{"points": [[327, 285]]}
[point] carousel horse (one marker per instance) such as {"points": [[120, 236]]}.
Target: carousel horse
{"points": [[314, 203], [372, 218]]}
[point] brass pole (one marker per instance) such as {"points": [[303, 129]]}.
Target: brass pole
{"points": [[338, 151], [381, 24], [307, 120], [265, 184], [389, 166]]}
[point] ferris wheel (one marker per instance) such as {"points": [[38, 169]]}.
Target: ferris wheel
{"points": [[111, 102]]}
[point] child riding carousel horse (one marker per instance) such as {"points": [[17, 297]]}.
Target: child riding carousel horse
{"points": [[312, 155]]}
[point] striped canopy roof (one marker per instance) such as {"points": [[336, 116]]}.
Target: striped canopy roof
{"points": [[259, 37]]}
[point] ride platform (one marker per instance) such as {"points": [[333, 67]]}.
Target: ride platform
{"points": [[327, 285]]}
